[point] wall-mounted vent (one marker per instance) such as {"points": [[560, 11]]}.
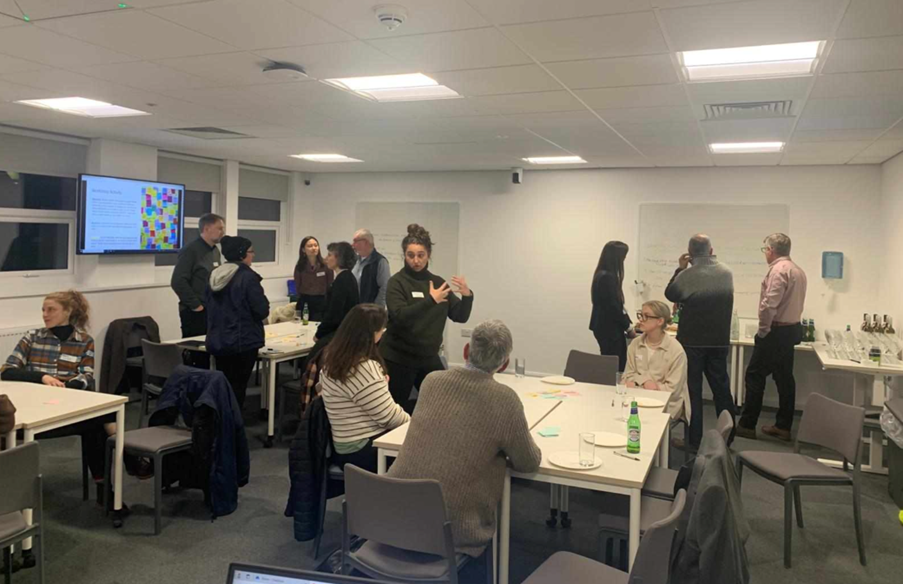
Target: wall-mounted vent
{"points": [[209, 133], [748, 110]]}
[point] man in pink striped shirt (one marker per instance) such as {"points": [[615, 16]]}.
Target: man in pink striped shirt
{"points": [[780, 309]]}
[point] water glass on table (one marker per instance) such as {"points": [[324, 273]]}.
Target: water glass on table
{"points": [[520, 367], [587, 448], [621, 391]]}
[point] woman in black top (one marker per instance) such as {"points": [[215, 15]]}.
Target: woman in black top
{"points": [[342, 296], [312, 278], [419, 302], [610, 323]]}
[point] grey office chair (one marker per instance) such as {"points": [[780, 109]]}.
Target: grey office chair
{"points": [[584, 368], [660, 480], [408, 533], [652, 565], [20, 483], [159, 362], [828, 424]]}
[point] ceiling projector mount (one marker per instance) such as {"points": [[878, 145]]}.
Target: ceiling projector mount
{"points": [[391, 16]]}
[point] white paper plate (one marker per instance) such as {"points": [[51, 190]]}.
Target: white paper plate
{"points": [[571, 460], [610, 439], [648, 402], [559, 380]]}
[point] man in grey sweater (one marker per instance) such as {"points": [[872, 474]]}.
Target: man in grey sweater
{"points": [[466, 430], [705, 291]]}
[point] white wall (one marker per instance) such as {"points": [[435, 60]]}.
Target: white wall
{"points": [[892, 244]]}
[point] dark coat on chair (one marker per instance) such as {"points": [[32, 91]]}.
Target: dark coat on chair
{"points": [[116, 346], [307, 463], [186, 393]]}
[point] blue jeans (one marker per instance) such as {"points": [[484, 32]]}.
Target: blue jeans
{"points": [[711, 362]]}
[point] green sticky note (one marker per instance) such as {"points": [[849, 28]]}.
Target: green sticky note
{"points": [[550, 432]]}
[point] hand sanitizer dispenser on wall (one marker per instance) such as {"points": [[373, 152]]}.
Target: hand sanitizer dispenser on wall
{"points": [[832, 265]]}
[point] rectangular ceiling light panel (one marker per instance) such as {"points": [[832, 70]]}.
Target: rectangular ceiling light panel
{"points": [[387, 88], [325, 158], [746, 147], [555, 160], [79, 106], [792, 59]]}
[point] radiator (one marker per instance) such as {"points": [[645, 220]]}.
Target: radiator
{"points": [[10, 337]]}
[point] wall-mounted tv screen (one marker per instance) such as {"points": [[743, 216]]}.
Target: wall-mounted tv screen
{"points": [[127, 216]]}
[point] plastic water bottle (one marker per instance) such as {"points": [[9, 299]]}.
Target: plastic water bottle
{"points": [[305, 316], [633, 430]]}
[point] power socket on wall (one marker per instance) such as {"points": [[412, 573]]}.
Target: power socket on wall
{"points": [[466, 333]]}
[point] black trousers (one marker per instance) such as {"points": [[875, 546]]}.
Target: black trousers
{"points": [[616, 346], [365, 458], [94, 436], [403, 378], [194, 324], [237, 368], [772, 355], [316, 306], [711, 362]]}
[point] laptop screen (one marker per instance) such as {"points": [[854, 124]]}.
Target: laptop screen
{"points": [[250, 574]]}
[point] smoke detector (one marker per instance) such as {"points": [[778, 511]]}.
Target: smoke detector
{"points": [[284, 72], [391, 16]]}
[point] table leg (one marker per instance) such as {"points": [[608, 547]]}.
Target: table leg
{"points": [[741, 389], [271, 403], [11, 439], [381, 462], [117, 460], [505, 531], [733, 380], [664, 447], [263, 390], [28, 436], [634, 537]]}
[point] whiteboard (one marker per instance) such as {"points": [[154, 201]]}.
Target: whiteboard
{"points": [[736, 231], [389, 224]]}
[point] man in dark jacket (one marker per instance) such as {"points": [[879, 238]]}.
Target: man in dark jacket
{"points": [[705, 291], [189, 277], [236, 308]]}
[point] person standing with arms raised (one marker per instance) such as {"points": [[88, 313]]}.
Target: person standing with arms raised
{"points": [[192, 272], [418, 303], [704, 288], [371, 270], [780, 309], [609, 322]]}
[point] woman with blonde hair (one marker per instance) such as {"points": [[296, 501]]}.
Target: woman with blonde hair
{"points": [[656, 361]]}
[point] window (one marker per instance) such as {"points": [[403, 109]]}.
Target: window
{"points": [[260, 220], [264, 241], [197, 203], [37, 223]]}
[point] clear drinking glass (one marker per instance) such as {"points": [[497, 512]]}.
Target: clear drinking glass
{"points": [[587, 448], [298, 318], [520, 367], [620, 384], [625, 407]]}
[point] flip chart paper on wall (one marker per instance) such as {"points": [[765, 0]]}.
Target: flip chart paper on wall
{"points": [[737, 232]]}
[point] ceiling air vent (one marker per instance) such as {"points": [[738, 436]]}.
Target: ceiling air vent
{"points": [[749, 110], [209, 133]]}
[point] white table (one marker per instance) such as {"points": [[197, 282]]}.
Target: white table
{"points": [[590, 411], [285, 341], [737, 377], [40, 408]]}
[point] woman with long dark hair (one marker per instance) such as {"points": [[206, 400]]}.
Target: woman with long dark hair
{"points": [[610, 323], [355, 389], [312, 278]]}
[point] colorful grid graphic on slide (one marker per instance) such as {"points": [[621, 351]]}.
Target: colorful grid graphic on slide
{"points": [[160, 218]]}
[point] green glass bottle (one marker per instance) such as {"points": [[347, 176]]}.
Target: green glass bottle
{"points": [[633, 430], [305, 316]]}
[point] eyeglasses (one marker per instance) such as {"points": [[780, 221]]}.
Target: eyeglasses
{"points": [[642, 317], [764, 249]]}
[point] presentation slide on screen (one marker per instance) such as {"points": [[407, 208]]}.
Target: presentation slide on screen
{"points": [[130, 215]]}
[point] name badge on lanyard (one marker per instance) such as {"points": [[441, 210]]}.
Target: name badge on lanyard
{"points": [[321, 274], [68, 358], [417, 294]]}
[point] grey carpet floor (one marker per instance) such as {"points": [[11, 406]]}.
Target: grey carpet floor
{"points": [[82, 547]]}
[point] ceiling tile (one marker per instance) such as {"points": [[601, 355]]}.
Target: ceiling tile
{"points": [[677, 160], [685, 3], [659, 133], [821, 152], [359, 18], [348, 59], [498, 80], [590, 38], [519, 11], [880, 54], [746, 159], [466, 49], [872, 18], [615, 72], [13, 92], [642, 96], [644, 115], [301, 93], [224, 68], [853, 135], [761, 130], [58, 80], [894, 132], [260, 24], [36, 44], [885, 148], [758, 22], [520, 103], [144, 75], [14, 65], [867, 160], [6, 21], [748, 91], [41, 9], [137, 33], [851, 113], [870, 84]]}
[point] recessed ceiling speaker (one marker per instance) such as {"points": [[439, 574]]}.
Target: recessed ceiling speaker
{"points": [[284, 72], [391, 16]]}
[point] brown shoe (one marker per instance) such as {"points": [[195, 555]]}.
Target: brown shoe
{"points": [[744, 432], [776, 432], [678, 443]]}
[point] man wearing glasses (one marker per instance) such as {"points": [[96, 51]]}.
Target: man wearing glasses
{"points": [[780, 309], [371, 270], [705, 291]]}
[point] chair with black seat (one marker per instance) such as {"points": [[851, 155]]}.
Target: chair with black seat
{"points": [[660, 480], [583, 368], [160, 361], [408, 533], [652, 565], [21, 484], [334, 473], [828, 424]]}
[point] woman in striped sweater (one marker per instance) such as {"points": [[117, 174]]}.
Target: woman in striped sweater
{"points": [[355, 388]]}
